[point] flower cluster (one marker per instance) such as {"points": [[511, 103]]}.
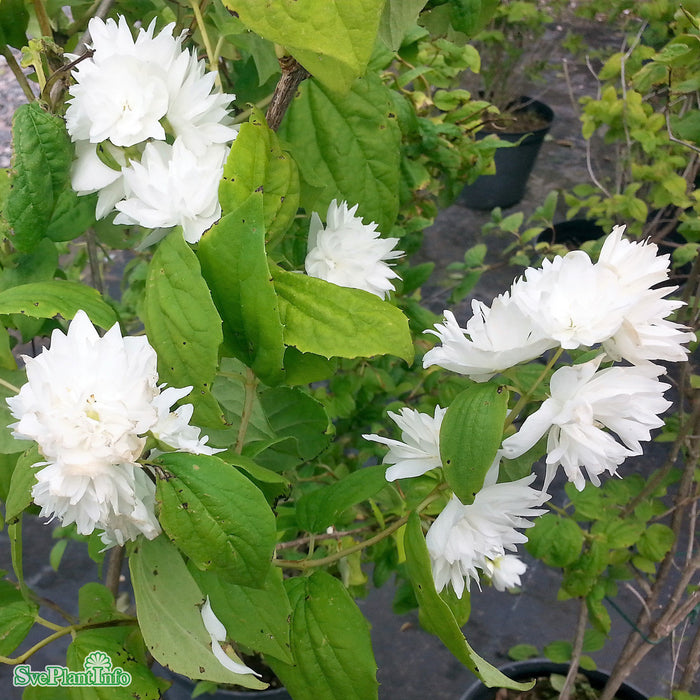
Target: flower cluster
{"points": [[464, 539], [89, 403], [349, 253], [151, 136], [594, 418]]}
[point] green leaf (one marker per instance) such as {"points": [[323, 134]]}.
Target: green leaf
{"points": [[655, 541], [183, 325], [168, 603], [72, 215], [217, 517], [471, 16], [347, 147], [232, 255], [16, 617], [42, 157], [329, 320], [295, 415], [556, 541], [19, 497], [319, 509], [257, 163], [436, 615], [96, 603], [47, 299], [332, 39], [305, 367], [123, 648], [559, 652], [258, 618], [470, 435], [14, 19], [333, 661], [397, 18], [56, 554], [520, 652], [581, 575]]}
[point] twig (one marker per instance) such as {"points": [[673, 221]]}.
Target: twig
{"points": [[251, 384], [94, 263], [576, 651], [335, 535], [114, 570], [102, 11], [293, 74], [43, 19], [17, 72]]}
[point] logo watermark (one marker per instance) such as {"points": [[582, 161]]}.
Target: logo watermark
{"points": [[97, 672]]}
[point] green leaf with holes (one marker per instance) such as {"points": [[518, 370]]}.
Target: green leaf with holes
{"points": [[182, 324], [216, 516], [258, 618], [347, 148], [257, 163], [48, 299], [168, 606], [470, 435]]}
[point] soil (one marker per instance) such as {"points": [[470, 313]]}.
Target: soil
{"points": [[543, 690], [517, 121]]}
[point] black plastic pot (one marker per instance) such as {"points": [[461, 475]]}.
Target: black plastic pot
{"points": [[513, 164], [537, 668], [182, 688]]}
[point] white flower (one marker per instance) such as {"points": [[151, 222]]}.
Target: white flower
{"points": [[467, 538], [350, 253], [90, 174], [573, 301], [584, 403], [505, 571], [172, 186], [197, 115], [217, 633], [133, 98], [420, 450], [88, 399], [494, 339], [89, 403], [645, 334], [174, 429], [138, 517], [121, 92], [637, 265]]}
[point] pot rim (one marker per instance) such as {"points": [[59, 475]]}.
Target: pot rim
{"points": [[519, 670]]}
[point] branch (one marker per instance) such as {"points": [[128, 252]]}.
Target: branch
{"points": [[17, 72], [293, 74], [114, 570], [576, 651]]}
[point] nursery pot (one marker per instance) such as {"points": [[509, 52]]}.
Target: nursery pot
{"points": [[513, 164], [181, 689], [537, 668]]}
